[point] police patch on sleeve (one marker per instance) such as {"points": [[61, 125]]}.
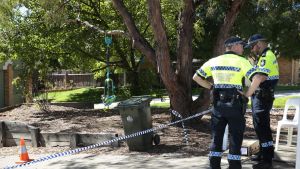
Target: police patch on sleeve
{"points": [[263, 62]]}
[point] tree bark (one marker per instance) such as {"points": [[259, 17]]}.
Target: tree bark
{"points": [[185, 53], [226, 27], [28, 89], [139, 42], [177, 84]]}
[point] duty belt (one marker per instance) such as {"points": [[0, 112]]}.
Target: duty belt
{"points": [[225, 95]]}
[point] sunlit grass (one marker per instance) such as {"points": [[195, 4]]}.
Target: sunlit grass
{"points": [[94, 95], [160, 105], [280, 102], [77, 95]]}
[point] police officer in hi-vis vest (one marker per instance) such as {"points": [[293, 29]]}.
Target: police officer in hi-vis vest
{"points": [[262, 99], [229, 102]]}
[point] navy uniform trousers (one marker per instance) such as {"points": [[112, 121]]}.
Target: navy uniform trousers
{"points": [[227, 111], [262, 102]]}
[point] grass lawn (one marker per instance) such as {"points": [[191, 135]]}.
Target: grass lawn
{"points": [[285, 88], [161, 105], [280, 102], [93, 95]]}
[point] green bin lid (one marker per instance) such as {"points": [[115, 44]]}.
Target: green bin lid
{"points": [[134, 101]]}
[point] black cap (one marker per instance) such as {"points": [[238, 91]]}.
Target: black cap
{"points": [[233, 41], [253, 39]]}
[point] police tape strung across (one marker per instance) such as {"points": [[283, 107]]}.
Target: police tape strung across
{"points": [[69, 152], [175, 113]]}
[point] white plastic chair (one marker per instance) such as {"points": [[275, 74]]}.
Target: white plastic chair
{"points": [[290, 124]]}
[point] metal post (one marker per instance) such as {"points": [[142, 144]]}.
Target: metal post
{"points": [[2, 134], [34, 132], [298, 146]]}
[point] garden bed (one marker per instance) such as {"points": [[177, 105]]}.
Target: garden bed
{"points": [[71, 120]]}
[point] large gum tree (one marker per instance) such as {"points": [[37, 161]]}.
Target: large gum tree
{"points": [[177, 79]]}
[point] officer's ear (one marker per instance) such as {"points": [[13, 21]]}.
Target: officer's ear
{"points": [[261, 45]]}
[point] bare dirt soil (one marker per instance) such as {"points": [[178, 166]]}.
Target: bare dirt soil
{"points": [[66, 119]]}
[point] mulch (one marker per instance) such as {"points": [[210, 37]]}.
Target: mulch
{"points": [[66, 119]]}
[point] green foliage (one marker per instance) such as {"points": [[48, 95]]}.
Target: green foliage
{"points": [[286, 88], [209, 18], [123, 93], [147, 79], [277, 20], [45, 36]]}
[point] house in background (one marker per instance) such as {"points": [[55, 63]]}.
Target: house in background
{"points": [[9, 96], [289, 71]]}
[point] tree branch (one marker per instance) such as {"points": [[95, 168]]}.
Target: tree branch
{"points": [[162, 50], [94, 57], [139, 42], [226, 27], [112, 32], [184, 42], [198, 3], [122, 55]]}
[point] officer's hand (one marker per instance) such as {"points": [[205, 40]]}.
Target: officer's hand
{"points": [[244, 97]]}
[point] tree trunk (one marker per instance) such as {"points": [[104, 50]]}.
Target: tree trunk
{"points": [[133, 77], [226, 27], [177, 84], [28, 89]]}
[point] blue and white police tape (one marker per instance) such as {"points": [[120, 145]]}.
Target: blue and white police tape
{"points": [[69, 152], [175, 113]]}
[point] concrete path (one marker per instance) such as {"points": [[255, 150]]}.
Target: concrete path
{"points": [[167, 100], [287, 93], [286, 155], [277, 94]]}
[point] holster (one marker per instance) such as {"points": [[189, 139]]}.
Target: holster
{"points": [[244, 101], [266, 94], [230, 97], [225, 95]]}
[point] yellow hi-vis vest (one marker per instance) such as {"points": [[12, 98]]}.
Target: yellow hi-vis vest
{"points": [[267, 64], [227, 70]]}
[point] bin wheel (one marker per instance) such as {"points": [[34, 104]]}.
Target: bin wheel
{"points": [[156, 139]]}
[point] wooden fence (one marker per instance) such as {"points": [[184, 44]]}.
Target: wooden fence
{"points": [[67, 80]]}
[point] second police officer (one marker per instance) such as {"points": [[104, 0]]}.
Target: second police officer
{"points": [[262, 99], [227, 71]]}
